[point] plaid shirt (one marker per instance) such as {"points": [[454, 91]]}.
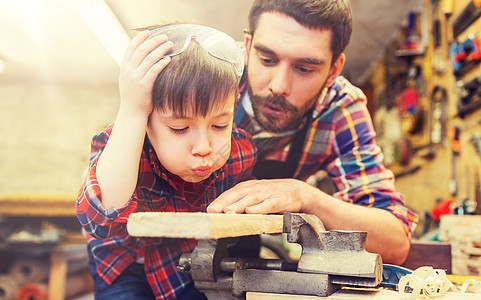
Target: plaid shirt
{"points": [[340, 141], [157, 190]]}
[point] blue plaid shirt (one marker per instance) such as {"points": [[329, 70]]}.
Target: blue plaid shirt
{"points": [[341, 141]]}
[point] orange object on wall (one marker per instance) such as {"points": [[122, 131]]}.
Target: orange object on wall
{"points": [[32, 291]]}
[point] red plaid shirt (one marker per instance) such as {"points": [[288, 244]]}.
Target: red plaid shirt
{"points": [[113, 249]]}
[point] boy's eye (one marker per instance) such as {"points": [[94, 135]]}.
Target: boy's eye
{"points": [[178, 130], [220, 127]]}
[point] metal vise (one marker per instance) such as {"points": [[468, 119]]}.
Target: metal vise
{"points": [[329, 260]]}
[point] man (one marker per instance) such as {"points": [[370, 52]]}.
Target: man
{"points": [[305, 117]]}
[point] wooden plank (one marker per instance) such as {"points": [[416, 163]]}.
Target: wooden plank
{"points": [[202, 225], [358, 294]]}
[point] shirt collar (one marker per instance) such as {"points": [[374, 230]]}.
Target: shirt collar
{"points": [[322, 101]]}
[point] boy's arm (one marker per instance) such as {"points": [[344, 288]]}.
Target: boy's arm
{"points": [[118, 165]]}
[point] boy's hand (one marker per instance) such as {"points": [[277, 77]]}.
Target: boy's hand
{"points": [[142, 63]]}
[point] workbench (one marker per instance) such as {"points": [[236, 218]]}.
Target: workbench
{"points": [[60, 257], [212, 229], [59, 260], [63, 258], [360, 294]]}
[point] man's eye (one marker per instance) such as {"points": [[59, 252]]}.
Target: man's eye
{"points": [[178, 130], [267, 60], [304, 69]]}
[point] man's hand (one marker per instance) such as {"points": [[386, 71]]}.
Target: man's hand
{"points": [[262, 197], [386, 235], [142, 63]]}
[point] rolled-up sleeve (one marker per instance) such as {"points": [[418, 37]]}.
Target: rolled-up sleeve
{"points": [[96, 220], [358, 171]]}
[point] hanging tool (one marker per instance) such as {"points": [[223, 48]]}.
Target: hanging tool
{"points": [[469, 96], [439, 99], [466, 206], [455, 147], [477, 193], [476, 141], [465, 54], [470, 14]]}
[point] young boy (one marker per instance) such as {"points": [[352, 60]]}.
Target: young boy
{"points": [[172, 148]]}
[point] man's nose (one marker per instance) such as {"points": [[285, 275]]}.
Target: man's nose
{"points": [[280, 84], [201, 144]]}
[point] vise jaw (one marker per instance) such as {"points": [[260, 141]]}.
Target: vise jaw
{"points": [[329, 260]]}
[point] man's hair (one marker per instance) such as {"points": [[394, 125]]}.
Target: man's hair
{"points": [[313, 14], [194, 82]]}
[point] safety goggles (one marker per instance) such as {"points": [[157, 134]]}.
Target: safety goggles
{"points": [[215, 42]]}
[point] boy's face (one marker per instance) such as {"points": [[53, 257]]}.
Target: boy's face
{"points": [[288, 66], [193, 148]]}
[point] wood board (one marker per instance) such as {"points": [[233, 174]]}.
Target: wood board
{"points": [[201, 225]]}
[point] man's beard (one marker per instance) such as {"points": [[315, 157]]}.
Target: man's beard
{"points": [[293, 115]]}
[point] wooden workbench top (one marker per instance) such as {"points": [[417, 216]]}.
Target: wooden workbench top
{"points": [[359, 294]]}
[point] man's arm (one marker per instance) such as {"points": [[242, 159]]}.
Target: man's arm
{"points": [[365, 199], [386, 234]]}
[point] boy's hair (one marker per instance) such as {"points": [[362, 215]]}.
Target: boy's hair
{"points": [[194, 82], [314, 14]]}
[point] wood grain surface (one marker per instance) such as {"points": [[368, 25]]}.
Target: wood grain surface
{"points": [[202, 225]]}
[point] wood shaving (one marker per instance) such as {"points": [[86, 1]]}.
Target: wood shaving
{"points": [[433, 283], [471, 285], [425, 281]]}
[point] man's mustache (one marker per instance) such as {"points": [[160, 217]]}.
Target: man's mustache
{"points": [[277, 101]]}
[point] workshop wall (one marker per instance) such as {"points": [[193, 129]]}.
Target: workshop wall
{"points": [[415, 130], [45, 132]]}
